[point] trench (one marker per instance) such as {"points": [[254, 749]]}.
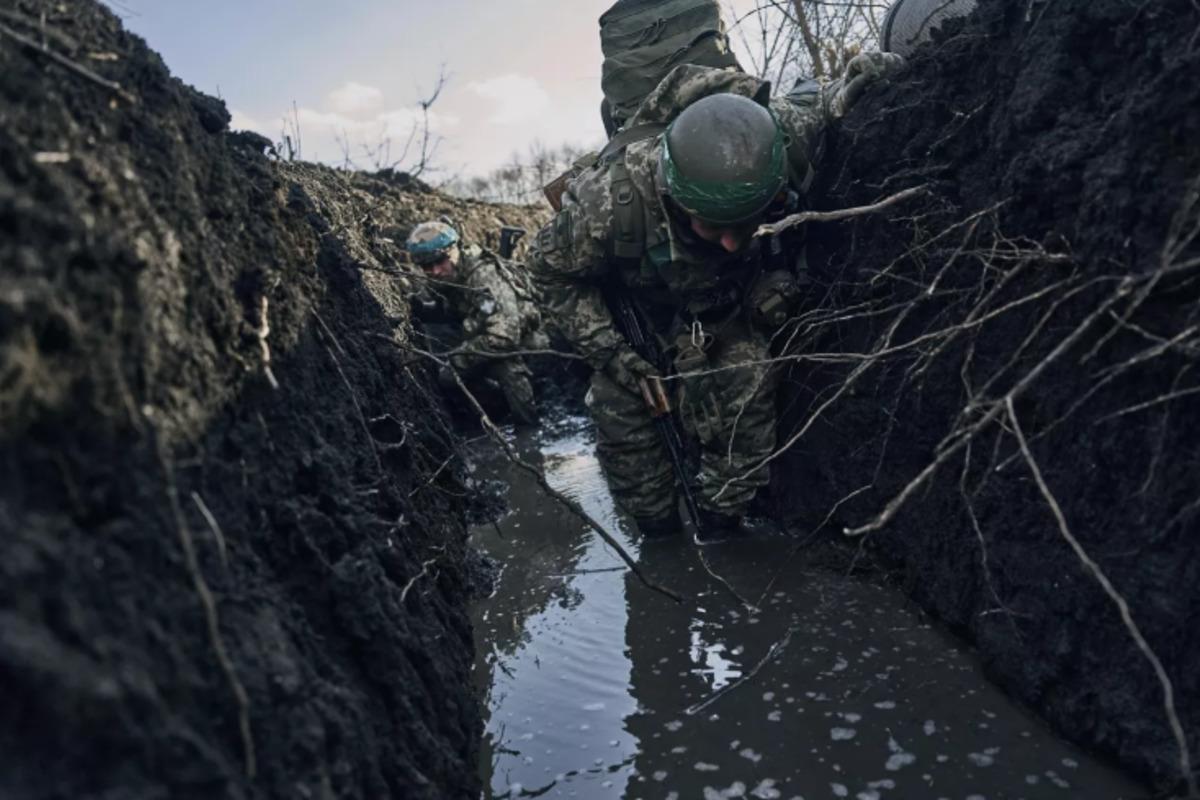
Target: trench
{"points": [[836, 687]]}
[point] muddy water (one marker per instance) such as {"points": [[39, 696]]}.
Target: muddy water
{"points": [[823, 687]]}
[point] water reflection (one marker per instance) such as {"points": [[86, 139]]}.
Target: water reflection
{"points": [[599, 688]]}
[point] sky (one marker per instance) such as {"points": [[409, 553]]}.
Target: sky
{"points": [[518, 71]]}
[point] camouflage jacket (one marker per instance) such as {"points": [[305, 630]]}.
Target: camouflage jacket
{"points": [[570, 259], [495, 307]]}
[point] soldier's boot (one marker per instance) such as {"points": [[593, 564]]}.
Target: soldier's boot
{"points": [[659, 527], [518, 392]]}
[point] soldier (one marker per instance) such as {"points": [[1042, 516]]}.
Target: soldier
{"points": [[489, 306], [667, 215]]}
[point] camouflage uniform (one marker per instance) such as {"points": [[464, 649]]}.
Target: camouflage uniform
{"points": [[690, 293], [497, 313]]}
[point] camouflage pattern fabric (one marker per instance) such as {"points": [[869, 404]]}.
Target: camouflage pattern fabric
{"points": [[731, 410], [731, 399], [498, 314]]}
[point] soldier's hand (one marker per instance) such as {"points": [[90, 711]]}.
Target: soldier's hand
{"points": [[629, 369], [861, 71]]}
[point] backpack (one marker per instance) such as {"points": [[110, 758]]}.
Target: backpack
{"points": [[643, 40]]}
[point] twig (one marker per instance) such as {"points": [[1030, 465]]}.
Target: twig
{"points": [[955, 442], [212, 526], [1166, 398], [1168, 689], [62, 60], [802, 217], [753, 609], [264, 330], [540, 477], [729, 687], [807, 539], [210, 612], [362, 418], [425, 565]]}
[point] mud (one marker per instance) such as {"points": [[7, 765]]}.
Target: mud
{"points": [[232, 561], [1077, 123]]}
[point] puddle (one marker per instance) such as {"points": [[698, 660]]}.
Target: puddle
{"points": [[596, 687]]}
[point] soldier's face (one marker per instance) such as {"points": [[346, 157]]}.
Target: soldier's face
{"points": [[442, 269], [730, 238]]}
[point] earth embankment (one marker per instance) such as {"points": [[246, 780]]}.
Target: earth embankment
{"points": [[232, 559], [1045, 289]]}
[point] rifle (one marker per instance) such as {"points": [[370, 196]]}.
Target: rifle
{"points": [[632, 326]]}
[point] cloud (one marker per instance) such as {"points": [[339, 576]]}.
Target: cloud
{"points": [[375, 140], [355, 98], [518, 99], [241, 121]]}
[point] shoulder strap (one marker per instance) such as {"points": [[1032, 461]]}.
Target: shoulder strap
{"points": [[628, 234], [627, 136]]}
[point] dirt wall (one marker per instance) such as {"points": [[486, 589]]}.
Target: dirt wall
{"points": [[1052, 261], [231, 538]]}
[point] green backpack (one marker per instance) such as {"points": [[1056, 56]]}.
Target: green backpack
{"points": [[643, 40]]}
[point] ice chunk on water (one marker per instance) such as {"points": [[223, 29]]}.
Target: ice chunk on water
{"points": [[766, 790], [749, 754], [839, 790], [981, 759], [930, 727], [899, 758], [701, 766], [842, 734]]}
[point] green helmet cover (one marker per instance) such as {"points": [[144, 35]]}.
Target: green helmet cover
{"points": [[720, 160]]}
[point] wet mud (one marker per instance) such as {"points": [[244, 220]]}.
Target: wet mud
{"points": [[232, 529], [596, 687], [1057, 146]]}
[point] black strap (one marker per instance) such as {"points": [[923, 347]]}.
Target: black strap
{"points": [[627, 136]]}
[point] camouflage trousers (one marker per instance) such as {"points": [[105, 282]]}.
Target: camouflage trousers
{"points": [[728, 408]]}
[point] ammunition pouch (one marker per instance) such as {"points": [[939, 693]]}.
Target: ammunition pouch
{"points": [[772, 297]]}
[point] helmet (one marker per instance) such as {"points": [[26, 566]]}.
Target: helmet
{"points": [[430, 242], [909, 22], [724, 159]]}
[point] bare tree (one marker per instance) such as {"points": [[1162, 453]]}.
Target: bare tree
{"points": [[416, 156], [781, 40], [522, 178]]}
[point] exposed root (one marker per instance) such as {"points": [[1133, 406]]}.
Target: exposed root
{"points": [[793, 220], [261, 333], [212, 526], [362, 417], [425, 565], [1164, 680], [70, 65], [210, 611]]}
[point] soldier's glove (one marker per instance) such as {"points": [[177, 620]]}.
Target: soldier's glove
{"points": [[861, 71], [629, 369]]}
